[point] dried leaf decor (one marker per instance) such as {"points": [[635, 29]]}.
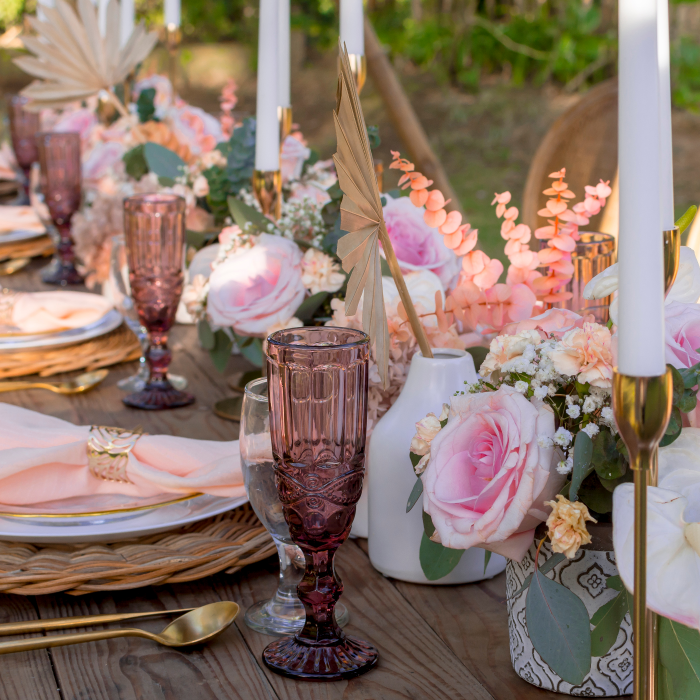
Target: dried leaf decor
{"points": [[73, 60], [362, 218]]}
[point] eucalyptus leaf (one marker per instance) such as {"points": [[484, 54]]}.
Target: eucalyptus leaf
{"points": [[330, 241], [544, 568], [416, 493], [478, 355], [673, 431], [242, 214], [221, 351], [310, 306], [428, 526], [134, 163], [386, 271], [253, 352], [206, 335], [678, 385], [665, 684], [606, 621], [688, 401], [615, 583], [679, 654], [596, 496], [166, 164], [607, 460], [437, 561], [559, 628], [487, 559], [583, 453]]}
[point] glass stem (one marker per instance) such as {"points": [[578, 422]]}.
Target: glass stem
{"points": [[64, 249], [291, 572], [158, 357], [319, 591]]}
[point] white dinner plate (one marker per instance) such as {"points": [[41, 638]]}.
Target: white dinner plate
{"points": [[97, 529], [111, 320], [20, 235]]}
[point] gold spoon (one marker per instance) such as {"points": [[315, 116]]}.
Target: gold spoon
{"points": [[195, 627], [9, 267], [78, 385]]}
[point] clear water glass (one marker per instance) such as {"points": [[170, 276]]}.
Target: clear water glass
{"points": [[121, 297], [283, 614]]}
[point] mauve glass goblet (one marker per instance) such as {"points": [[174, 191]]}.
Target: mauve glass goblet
{"points": [[61, 183], [317, 385], [154, 230], [24, 126]]}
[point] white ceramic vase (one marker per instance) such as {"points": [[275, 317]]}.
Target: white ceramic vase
{"points": [[394, 535]]}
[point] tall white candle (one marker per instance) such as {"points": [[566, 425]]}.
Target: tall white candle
{"points": [[640, 247], [172, 13], [126, 21], [666, 143], [283, 58], [267, 136], [352, 31]]}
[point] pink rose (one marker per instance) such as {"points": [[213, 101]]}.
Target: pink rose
{"points": [[585, 353], [82, 121], [257, 287], [417, 246], [104, 159], [554, 322], [312, 191], [195, 128], [682, 334], [488, 478], [293, 155]]}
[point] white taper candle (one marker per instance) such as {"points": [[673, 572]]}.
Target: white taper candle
{"points": [[172, 13], [283, 57], [102, 16], [126, 21], [352, 30], [666, 143], [267, 135], [640, 248]]}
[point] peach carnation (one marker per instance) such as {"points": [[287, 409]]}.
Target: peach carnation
{"points": [[320, 273], [505, 348], [585, 353], [567, 526]]}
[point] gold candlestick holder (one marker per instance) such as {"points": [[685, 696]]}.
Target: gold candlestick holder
{"points": [[173, 38], [358, 66], [642, 408], [672, 255], [284, 116], [267, 188]]}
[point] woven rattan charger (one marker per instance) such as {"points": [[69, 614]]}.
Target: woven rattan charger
{"points": [[226, 542]]}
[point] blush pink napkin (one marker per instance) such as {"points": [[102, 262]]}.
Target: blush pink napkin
{"points": [[19, 219], [43, 458], [44, 312]]}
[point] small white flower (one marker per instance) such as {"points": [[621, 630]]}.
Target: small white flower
{"points": [[589, 405], [543, 441], [551, 389], [521, 387], [591, 430], [565, 466], [607, 416], [573, 411], [541, 392], [562, 437]]}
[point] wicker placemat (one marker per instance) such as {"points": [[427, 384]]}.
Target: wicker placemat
{"points": [[226, 542], [120, 345], [26, 249]]}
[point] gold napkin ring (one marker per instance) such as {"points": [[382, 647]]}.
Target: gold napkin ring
{"points": [[108, 451]]}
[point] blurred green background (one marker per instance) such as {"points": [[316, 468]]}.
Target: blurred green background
{"points": [[486, 77]]}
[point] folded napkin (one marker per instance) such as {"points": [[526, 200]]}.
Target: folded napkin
{"points": [[43, 458], [45, 312], [19, 219]]}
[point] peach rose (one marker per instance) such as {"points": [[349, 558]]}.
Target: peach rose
{"points": [[257, 287], [585, 353], [488, 477]]}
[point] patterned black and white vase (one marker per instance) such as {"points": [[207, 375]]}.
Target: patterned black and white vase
{"points": [[585, 575]]}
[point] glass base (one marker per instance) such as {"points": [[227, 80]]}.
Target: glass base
{"points": [[138, 381], [348, 658], [61, 274], [156, 396], [281, 617]]}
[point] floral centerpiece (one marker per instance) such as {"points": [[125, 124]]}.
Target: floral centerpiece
{"points": [[527, 459]]}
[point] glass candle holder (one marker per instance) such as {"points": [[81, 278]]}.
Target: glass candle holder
{"points": [[24, 126], [317, 386], [154, 231], [61, 184]]}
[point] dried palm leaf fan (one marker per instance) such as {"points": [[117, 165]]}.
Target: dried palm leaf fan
{"points": [[361, 216], [74, 61]]}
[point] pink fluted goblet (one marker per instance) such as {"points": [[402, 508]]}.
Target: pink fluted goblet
{"points": [[61, 184], [154, 231], [24, 126], [317, 387]]}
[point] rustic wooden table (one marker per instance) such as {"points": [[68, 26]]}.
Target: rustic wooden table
{"points": [[435, 642]]}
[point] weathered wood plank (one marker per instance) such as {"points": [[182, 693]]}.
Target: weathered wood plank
{"points": [[138, 669], [29, 674], [413, 662]]}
